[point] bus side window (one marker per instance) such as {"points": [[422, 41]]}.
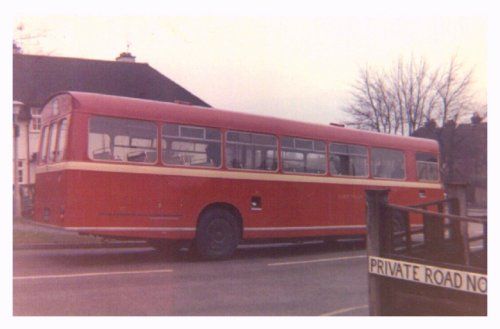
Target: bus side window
{"points": [[388, 163], [100, 146], [127, 140], [348, 160], [191, 146], [427, 167], [251, 151], [303, 155], [213, 152]]}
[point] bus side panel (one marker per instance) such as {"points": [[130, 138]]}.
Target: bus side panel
{"points": [[129, 200], [126, 200], [286, 207]]}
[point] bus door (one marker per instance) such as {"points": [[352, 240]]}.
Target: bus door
{"points": [[349, 163]]}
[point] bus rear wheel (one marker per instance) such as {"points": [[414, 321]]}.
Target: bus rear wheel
{"points": [[217, 234]]}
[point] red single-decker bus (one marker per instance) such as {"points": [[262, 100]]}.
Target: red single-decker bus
{"points": [[169, 173]]}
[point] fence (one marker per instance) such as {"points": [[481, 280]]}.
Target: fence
{"points": [[426, 259]]}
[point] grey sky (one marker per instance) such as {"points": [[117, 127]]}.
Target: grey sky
{"points": [[298, 67]]}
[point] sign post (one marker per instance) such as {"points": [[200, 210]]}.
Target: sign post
{"points": [[375, 199]]}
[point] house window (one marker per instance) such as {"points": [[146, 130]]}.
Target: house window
{"points": [[36, 119], [20, 171]]}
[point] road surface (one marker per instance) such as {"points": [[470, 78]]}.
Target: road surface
{"points": [[306, 279]]}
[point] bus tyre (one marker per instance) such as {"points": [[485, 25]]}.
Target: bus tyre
{"points": [[217, 234]]}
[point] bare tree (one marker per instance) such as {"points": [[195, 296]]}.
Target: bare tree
{"points": [[454, 93], [410, 95], [373, 105], [414, 86]]}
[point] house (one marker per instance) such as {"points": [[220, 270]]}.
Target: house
{"points": [[36, 78], [463, 155]]}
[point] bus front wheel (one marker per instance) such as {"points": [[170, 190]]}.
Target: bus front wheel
{"points": [[217, 234]]}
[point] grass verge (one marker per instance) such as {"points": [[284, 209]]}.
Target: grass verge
{"points": [[25, 232]]}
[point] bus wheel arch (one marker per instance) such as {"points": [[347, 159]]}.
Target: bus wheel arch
{"points": [[218, 231]]}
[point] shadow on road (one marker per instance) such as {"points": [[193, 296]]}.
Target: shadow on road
{"points": [[284, 250], [89, 258]]}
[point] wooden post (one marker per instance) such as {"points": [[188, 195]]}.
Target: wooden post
{"points": [[433, 232], [406, 217], [485, 240], [457, 192], [375, 201]]}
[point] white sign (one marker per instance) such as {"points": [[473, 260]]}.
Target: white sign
{"points": [[431, 275]]}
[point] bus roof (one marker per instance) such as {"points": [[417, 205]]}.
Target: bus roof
{"points": [[186, 114]]}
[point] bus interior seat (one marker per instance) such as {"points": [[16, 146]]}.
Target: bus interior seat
{"points": [[106, 155], [135, 156]]}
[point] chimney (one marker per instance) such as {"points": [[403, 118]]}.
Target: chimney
{"points": [[126, 57], [16, 49]]}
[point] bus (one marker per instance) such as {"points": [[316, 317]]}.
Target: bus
{"points": [[174, 173]]}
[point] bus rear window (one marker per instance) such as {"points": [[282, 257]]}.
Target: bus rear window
{"points": [[427, 167], [124, 140], [52, 141], [387, 163], [43, 146], [62, 136]]}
